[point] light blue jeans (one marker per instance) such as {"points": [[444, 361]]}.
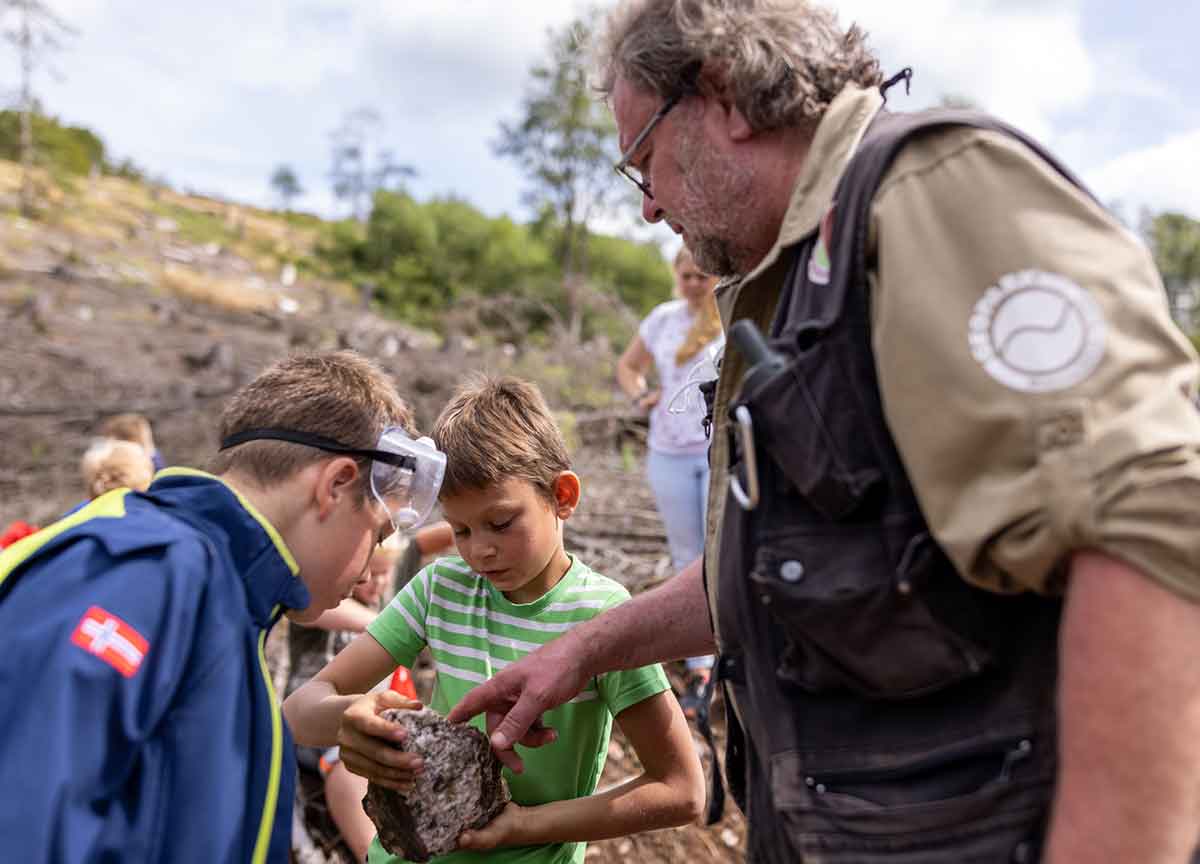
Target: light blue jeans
{"points": [[680, 486]]}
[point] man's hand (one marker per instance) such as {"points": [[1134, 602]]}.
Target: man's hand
{"points": [[504, 830], [516, 697], [369, 743]]}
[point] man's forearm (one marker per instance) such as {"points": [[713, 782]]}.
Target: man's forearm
{"points": [[668, 623], [1129, 724]]}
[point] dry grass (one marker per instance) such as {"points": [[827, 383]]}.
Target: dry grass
{"points": [[230, 294], [86, 224], [10, 176], [119, 224], [16, 234], [117, 203]]}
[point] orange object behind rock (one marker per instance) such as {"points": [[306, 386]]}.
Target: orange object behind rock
{"points": [[402, 683]]}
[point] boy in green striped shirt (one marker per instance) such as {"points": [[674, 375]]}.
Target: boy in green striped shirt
{"points": [[507, 491]]}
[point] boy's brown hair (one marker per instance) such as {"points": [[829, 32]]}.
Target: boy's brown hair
{"points": [[126, 427], [497, 428], [338, 395]]}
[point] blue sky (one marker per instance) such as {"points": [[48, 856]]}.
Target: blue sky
{"points": [[212, 96]]}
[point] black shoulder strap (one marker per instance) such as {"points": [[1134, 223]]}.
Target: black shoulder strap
{"points": [[888, 133]]}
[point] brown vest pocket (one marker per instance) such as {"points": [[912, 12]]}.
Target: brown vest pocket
{"points": [[851, 621], [979, 799], [805, 419]]}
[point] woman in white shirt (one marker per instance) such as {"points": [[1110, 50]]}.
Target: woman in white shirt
{"points": [[673, 339]]}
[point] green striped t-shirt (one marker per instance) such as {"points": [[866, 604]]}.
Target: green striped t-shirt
{"points": [[472, 630]]}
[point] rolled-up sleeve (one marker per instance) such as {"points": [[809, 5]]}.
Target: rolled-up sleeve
{"points": [[1037, 390]]}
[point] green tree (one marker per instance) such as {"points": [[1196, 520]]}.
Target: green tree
{"points": [[286, 184], [360, 166], [72, 149], [402, 247], [341, 250], [565, 145], [1175, 241], [38, 30], [635, 272], [444, 263]]}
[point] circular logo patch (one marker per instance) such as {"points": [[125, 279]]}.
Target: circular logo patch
{"points": [[1037, 332]]}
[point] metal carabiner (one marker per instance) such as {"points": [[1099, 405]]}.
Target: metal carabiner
{"points": [[747, 499]]}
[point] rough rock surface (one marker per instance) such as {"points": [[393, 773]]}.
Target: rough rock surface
{"points": [[460, 788]]}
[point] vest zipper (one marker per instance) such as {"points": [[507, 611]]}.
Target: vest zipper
{"points": [[1015, 752]]}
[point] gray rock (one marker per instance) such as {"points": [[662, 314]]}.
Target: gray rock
{"points": [[460, 788]]}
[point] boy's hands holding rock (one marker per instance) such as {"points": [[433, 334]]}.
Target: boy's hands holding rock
{"points": [[370, 744]]}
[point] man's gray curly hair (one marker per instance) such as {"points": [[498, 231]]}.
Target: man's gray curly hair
{"points": [[783, 61]]}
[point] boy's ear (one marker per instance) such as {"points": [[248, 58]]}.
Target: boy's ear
{"points": [[567, 489], [336, 482]]}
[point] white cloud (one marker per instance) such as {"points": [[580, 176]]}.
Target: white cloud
{"points": [[213, 95], [1165, 176], [1022, 62]]}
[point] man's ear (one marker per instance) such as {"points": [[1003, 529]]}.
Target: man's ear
{"points": [[336, 482], [739, 127], [713, 86], [567, 489]]}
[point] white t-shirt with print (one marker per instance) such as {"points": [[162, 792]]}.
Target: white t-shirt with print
{"points": [[663, 331]]}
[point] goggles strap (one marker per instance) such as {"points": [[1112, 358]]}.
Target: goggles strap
{"points": [[309, 439]]}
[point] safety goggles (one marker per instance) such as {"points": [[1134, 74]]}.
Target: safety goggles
{"points": [[406, 473], [688, 398]]}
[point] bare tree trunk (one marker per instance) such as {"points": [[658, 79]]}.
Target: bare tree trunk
{"points": [[25, 41], [571, 279]]}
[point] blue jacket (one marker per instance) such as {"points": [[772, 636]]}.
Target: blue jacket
{"points": [[138, 721]]}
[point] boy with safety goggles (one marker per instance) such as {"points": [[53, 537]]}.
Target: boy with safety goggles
{"points": [[508, 489], [146, 727]]}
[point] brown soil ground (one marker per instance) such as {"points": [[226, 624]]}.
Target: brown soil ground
{"points": [[82, 337]]}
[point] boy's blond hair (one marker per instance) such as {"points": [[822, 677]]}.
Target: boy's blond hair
{"points": [[338, 395], [111, 463], [393, 546], [127, 427], [497, 428]]}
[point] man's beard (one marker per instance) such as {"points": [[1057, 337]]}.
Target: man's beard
{"points": [[717, 206]]}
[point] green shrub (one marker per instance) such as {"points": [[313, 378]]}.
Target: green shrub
{"points": [[68, 148]]}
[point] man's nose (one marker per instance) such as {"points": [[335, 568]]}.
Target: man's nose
{"points": [[651, 212]]}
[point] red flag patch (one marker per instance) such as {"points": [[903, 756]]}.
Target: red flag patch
{"points": [[112, 640]]}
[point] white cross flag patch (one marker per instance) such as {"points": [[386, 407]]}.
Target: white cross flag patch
{"points": [[106, 636]]}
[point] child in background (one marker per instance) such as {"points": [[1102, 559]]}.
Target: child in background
{"points": [[135, 428], [508, 488], [112, 464], [672, 339], [311, 647]]}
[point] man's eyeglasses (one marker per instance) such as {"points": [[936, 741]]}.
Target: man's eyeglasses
{"points": [[623, 167]]}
